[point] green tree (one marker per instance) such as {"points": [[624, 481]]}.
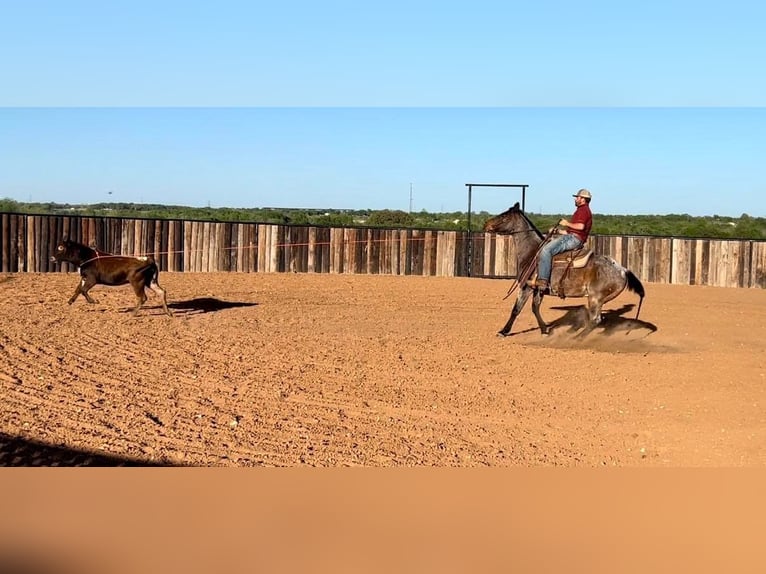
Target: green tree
{"points": [[8, 205], [390, 218]]}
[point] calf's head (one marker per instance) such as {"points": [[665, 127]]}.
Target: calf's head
{"points": [[72, 252]]}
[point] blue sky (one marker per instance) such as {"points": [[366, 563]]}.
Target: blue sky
{"points": [[656, 107]]}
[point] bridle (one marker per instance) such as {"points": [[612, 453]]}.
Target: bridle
{"points": [[533, 262], [531, 228], [515, 232]]}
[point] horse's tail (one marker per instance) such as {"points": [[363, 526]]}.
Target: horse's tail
{"points": [[635, 285]]}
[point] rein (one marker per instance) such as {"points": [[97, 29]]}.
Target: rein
{"points": [[515, 232], [532, 262]]}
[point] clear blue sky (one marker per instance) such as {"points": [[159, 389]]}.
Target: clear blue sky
{"points": [[657, 107]]}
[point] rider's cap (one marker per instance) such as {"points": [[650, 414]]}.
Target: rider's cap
{"points": [[583, 193]]}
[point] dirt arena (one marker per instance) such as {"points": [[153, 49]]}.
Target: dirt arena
{"points": [[340, 370]]}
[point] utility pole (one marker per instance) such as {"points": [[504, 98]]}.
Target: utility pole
{"points": [[410, 198]]}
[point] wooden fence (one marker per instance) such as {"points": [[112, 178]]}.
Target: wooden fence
{"points": [[28, 241]]}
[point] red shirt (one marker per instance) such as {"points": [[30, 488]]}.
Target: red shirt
{"points": [[582, 215]]}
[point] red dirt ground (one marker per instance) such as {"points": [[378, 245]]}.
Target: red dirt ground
{"points": [[341, 370]]}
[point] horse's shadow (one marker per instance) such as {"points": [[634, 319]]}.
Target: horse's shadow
{"points": [[575, 320]]}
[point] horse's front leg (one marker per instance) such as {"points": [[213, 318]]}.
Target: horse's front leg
{"points": [[536, 302], [521, 300]]}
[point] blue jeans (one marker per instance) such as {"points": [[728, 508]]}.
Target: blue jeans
{"points": [[558, 244]]}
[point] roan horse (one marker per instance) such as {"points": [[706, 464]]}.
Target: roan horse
{"points": [[575, 274], [99, 268]]}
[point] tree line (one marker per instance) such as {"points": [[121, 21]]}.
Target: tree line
{"points": [[675, 225]]}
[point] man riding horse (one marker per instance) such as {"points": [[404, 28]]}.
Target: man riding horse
{"points": [[571, 235]]}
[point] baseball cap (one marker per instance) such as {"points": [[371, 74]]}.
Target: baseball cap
{"points": [[583, 193]]}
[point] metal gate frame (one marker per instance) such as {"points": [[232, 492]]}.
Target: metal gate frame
{"points": [[470, 186]]}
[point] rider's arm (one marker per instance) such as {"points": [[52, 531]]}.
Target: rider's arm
{"points": [[569, 225]]}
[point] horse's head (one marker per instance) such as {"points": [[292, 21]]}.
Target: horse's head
{"points": [[511, 220]]}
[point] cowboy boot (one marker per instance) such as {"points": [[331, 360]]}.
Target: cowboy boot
{"points": [[538, 283]]}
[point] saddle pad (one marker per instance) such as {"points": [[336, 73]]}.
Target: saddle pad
{"points": [[575, 257]]}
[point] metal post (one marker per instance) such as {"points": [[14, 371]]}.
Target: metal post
{"points": [[470, 234], [470, 186]]}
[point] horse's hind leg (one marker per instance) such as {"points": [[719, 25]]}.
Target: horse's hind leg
{"points": [[594, 310], [521, 300], [594, 316]]}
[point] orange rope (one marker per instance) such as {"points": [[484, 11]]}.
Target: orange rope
{"points": [[283, 245]]}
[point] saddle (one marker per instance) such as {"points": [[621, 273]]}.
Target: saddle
{"points": [[572, 259], [575, 258]]}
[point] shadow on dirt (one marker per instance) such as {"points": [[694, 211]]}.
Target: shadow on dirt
{"points": [[207, 305], [16, 451], [195, 306], [575, 318]]}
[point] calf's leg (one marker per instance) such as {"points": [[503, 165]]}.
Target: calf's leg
{"points": [[155, 286], [83, 287], [149, 278], [77, 292], [138, 289]]}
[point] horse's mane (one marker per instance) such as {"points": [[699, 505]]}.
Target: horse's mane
{"points": [[532, 225]]}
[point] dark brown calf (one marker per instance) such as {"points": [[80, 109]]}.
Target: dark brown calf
{"points": [[100, 268]]}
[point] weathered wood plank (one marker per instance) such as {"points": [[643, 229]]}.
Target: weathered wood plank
{"points": [[405, 249], [5, 242], [758, 269], [27, 241]]}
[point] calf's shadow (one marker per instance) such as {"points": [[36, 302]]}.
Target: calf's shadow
{"points": [[199, 305], [207, 305]]}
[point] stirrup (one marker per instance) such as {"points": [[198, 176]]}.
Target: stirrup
{"points": [[540, 284]]}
